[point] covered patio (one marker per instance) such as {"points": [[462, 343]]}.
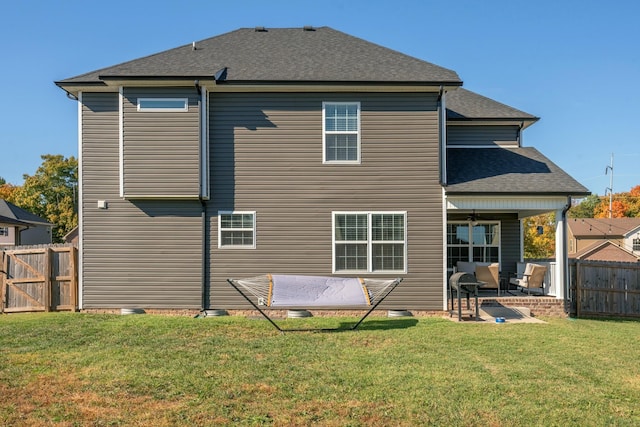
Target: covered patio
{"points": [[489, 192]]}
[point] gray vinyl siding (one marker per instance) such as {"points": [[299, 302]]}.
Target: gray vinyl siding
{"points": [[482, 135], [134, 253], [161, 150], [510, 245], [266, 156]]}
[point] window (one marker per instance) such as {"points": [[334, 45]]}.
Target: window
{"points": [[369, 242], [636, 245], [236, 230], [341, 132], [163, 104], [473, 242], [4, 231]]}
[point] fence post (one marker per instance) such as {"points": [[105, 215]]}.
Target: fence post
{"points": [[73, 269], [578, 287], [3, 278], [48, 268]]}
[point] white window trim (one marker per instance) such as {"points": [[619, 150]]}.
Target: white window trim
{"points": [[325, 132], [253, 229], [470, 245], [160, 109], [369, 242]]}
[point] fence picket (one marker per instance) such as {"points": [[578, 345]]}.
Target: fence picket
{"points": [[605, 288], [39, 277]]}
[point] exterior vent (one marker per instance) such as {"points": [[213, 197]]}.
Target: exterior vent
{"points": [[308, 28], [260, 30]]}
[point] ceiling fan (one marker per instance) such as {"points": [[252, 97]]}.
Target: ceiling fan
{"points": [[473, 218]]}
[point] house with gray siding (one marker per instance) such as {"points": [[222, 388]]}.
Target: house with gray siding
{"points": [[21, 227], [297, 151]]}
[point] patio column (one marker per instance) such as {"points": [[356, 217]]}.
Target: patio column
{"points": [[561, 255]]}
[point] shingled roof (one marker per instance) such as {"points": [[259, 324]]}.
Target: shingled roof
{"points": [[464, 105], [522, 170], [278, 55], [12, 212], [603, 227]]}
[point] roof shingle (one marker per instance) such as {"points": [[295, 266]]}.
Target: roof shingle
{"points": [[522, 170], [280, 55]]}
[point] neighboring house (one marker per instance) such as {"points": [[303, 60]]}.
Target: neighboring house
{"points": [[72, 236], [19, 227], [605, 250], [299, 150], [587, 234]]}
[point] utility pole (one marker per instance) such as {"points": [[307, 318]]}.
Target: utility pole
{"points": [[610, 187]]}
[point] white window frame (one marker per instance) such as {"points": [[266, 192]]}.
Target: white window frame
{"points": [[4, 231], [221, 230], [470, 244], [369, 242], [325, 132], [185, 102], [635, 244]]}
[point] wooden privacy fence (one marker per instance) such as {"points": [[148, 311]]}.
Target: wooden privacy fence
{"points": [[606, 288], [39, 278]]}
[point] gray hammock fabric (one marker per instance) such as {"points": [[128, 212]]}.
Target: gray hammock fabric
{"points": [[317, 291], [292, 291]]}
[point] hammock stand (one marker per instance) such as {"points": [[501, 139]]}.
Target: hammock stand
{"points": [[295, 292]]}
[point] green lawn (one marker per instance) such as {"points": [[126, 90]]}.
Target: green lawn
{"points": [[80, 369]]}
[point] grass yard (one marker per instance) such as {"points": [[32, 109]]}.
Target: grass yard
{"points": [[73, 369]]}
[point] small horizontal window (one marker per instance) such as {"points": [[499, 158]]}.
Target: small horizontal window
{"points": [[237, 230], [163, 104]]}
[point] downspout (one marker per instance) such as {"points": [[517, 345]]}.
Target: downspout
{"points": [[204, 246], [442, 152], [203, 203], [565, 257], [442, 120]]}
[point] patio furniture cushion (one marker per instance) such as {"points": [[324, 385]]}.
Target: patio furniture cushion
{"points": [[489, 274]]}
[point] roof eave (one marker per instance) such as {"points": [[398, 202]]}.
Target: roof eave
{"points": [[515, 193]]}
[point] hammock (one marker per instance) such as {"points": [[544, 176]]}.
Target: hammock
{"points": [[288, 291]]}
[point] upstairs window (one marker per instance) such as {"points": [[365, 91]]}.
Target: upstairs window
{"points": [[636, 245], [163, 104], [237, 230], [341, 132], [4, 231]]}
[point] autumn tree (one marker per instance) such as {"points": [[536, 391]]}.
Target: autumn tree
{"points": [[51, 193], [586, 208], [7, 190], [618, 209], [539, 236]]}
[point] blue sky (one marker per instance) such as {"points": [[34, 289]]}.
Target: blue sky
{"points": [[575, 64]]}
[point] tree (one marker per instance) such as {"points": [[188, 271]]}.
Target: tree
{"points": [[586, 208], [618, 209], [51, 193], [536, 244], [7, 191]]}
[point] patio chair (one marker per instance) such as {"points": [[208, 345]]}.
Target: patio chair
{"points": [[533, 277], [490, 275]]}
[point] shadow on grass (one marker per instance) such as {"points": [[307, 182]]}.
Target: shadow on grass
{"points": [[386, 324], [607, 318], [371, 325]]}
